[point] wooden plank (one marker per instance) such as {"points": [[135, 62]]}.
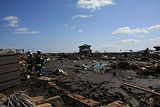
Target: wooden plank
{"points": [[83, 100], [9, 68], [9, 61], [37, 99], [46, 78], [7, 54], [117, 103], [9, 84], [8, 57], [9, 76], [140, 88], [77, 97], [55, 86], [44, 105], [51, 100]]}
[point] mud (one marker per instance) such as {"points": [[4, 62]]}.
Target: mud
{"points": [[99, 78], [104, 87]]}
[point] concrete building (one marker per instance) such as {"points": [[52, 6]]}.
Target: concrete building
{"points": [[85, 49], [157, 48]]}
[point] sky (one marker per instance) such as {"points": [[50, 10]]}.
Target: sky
{"points": [[63, 25]]}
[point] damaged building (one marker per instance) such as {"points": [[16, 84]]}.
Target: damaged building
{"points": [[85, 49], [157, 48]]}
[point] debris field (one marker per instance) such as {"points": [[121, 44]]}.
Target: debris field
{"points": [[99, 80]]}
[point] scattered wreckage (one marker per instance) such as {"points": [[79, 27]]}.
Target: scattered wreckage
{"points": [[109, 80]]}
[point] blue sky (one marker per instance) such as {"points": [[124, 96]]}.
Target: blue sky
{"points": [[63, 25]]}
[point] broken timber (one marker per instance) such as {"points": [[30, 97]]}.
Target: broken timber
{"points": [[9, 71], [77, 97], [51, 100], [44, 105], [140, 88], [117, 103]]}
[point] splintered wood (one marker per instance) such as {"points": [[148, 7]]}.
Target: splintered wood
{"points": [[44, 105], [46, 78], [77, 97], [117, 103], [83, 100], [140, 88]]}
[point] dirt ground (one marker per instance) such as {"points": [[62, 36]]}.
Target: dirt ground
{"points": [[104, 87], [96, 79]]}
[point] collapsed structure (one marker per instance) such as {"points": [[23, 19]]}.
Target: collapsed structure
{"points": [[85, 49]]}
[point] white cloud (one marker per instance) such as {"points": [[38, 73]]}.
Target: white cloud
{"points": [[25, 31], [130, 41], [13, 21], [127, 30], [107, 45], [94, 4], [80, 30], [21, 29], [129, 44], [67, 26], [153, 27], [81, 16]]}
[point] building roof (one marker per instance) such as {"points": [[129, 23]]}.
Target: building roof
{"points": [[85, 45]]}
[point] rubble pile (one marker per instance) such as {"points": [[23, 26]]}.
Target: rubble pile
{"points": [[104, 79], [124, 65], [18, 99]]}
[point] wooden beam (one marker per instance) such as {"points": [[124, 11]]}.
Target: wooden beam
{"points": [[77, 97], [140, 88], [8, 60], [44, 105], [83, 100], [46, 78], [9, 68], [117, 103], [51, 100], [9, 84], [9, 76], [7, 54], [55, 86]]}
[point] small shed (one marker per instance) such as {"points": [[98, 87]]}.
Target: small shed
{"points": [[9, 71], [85, 49], [157, 48]]}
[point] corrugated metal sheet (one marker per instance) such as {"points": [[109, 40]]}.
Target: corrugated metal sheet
{"points": [[9, 71]]}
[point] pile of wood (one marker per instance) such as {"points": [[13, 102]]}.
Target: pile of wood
{"points": [[9, 71]]}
